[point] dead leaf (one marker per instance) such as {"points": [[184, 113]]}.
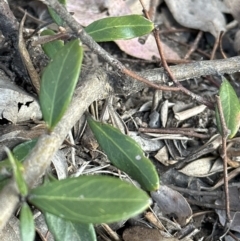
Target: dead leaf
{"points": [[139, 233], [87, 11], [202, 15], [172, 203], [146, 51], [147, 145], [234, 6], [60, 163], [198, 168], [16, 105], [162, 156]]}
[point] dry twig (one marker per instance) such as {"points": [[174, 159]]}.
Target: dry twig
{"points": [[224, 157]]}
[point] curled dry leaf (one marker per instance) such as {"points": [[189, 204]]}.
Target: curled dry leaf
{"points": [[147, 145], [172, 202], [203, 15], [156, 222], [154, 120], [164, 113], [60, 163], [186, 114], [16, 105], [162, 156]]}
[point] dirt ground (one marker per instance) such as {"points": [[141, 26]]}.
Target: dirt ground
{"points": [[176, 129]]}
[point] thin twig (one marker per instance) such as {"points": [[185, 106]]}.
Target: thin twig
{"points": [[194, 45], [196, 193], [216, 44], [152, 9], [181, 131], [172, 77], [224, 157], [26, 58], [220, 45], [166, 67]]}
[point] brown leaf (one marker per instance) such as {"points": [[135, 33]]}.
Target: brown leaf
{"points": [[139, 233], [172, 202]]}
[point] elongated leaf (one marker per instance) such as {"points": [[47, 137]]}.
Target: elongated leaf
{"points": [[53, 47], [56, 18], [63, 229], [27, 226], [58, 82], [90, 199], [17, 172], [231, 108], [125, 154], [21, 151], [114, 28]]}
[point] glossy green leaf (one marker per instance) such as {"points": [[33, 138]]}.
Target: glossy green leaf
{"points": [[56, 18], [17, 172], [51, 48], [27, 227], [122, 27], [63, 229], [125, 154], [90, 199], [231, 108], [58, 82]]}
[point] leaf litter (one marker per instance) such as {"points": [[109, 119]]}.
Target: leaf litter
{"points": [[181, 210]]}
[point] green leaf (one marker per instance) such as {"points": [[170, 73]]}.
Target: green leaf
{"points": [[63, 2], [51, 48], [58, 82], [231, 108], [19, 153], [56, 18], [90, 199], [125, 154], [17, 172], [63, 229], [123, 27], [27, 227]]}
